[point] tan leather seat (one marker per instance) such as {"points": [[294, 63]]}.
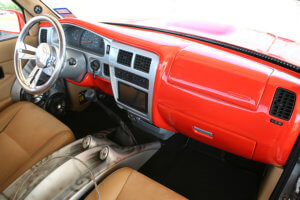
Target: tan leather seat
{"points": [[128, 184], [27, 134]]}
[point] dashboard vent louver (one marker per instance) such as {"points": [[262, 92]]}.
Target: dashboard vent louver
{"points": [[43, 36], [142, 63], [106, 70], [283, 104], [124, 58]]}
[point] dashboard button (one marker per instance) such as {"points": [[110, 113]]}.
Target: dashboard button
{"points": [[107, 49]]}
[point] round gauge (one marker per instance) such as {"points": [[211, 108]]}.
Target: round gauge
{"points": [[76, 35], [92, 42], [73, 35]]}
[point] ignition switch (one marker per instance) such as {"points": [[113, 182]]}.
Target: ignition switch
{"points": [[95, 65]]}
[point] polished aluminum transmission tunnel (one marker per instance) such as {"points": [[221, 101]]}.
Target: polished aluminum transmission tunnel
{"points": [[72, 171]]}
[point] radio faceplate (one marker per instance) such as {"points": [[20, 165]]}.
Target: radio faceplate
{"points": [[132, 88]]}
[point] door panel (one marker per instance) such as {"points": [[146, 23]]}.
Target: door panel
{"points": [[6, 62], [7, 48]]}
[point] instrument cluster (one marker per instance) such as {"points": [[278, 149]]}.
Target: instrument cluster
{"points": [[83, 39]]}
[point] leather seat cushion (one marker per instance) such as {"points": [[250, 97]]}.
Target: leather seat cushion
{"points": [[27, 134], [128, 184]]}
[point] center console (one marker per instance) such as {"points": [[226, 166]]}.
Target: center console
{"points": [[133, 74], [71, 172]]}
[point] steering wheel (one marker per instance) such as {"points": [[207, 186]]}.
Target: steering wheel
{"points": [[45, 56]]}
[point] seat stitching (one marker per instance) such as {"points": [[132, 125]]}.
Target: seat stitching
{"points": [[54, 145], [18, 145], [5, 127], [7, 124], [28, 155], [124, 184], [16, 170]]}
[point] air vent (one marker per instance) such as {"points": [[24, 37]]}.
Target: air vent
{"points": [[43, 36], [124, 58], [106, 69], [132, 78], [142, 63], [283, 104]]}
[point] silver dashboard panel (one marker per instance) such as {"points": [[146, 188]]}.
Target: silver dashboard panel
{"points": [[111, 59], [115, 47]]}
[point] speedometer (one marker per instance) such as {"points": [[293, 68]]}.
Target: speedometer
{"points": [[92, 42], [73, 35], [76, 35]]}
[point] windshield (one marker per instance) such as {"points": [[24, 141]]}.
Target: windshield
{"points": [[280, 17]]}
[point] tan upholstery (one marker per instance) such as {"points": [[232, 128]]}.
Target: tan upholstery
{"points": [[7, 48], [128, 184], [5, 103], [27, 134]]}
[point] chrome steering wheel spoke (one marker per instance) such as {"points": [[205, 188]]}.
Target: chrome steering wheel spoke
{"points": [[27, 47], [26, 52], [26, 56]]}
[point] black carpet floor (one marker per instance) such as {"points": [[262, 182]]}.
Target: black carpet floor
{"points": [[94, 119], [198, 171], [88, 121]]}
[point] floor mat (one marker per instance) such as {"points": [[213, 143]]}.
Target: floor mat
{"points": [[198, 171]]}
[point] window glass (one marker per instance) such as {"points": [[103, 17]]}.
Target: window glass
{"points": [[11, 19], [279, 17]]}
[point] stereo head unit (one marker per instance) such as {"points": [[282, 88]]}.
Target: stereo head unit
{"points": [[133, 97]]}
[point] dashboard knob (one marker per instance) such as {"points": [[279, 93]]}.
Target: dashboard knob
{"points": [[72, 61]]}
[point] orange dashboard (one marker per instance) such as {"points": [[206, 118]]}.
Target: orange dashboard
{"points": [[218, 96]]}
